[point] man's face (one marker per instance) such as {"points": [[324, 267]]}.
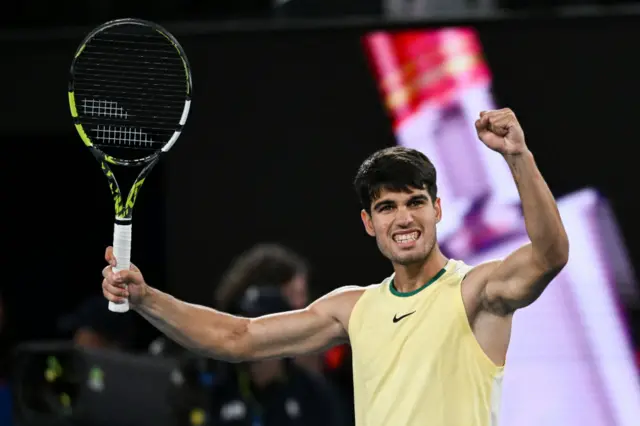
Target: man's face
{"points": [[404, 224]]}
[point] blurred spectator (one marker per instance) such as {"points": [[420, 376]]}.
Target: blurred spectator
{"points": [[269, 264], [92, 325], [272, 392], [265, 264]]}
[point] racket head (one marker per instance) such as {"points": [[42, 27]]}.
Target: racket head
{"points": [[130, 91]]}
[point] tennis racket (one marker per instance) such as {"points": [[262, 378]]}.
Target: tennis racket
{"points": [[129, 93]]}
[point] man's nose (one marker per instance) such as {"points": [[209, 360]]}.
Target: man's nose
{"points": [[404, 218]]}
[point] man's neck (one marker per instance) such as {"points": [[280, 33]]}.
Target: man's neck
{"points": [[411, 277]]}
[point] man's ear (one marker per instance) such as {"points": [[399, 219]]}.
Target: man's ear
{"points": [[438, 208], [367, 222]]}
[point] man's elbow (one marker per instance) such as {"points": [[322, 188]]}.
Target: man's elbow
{"points": [[560, 256], [236, 346], [556, 255], [241, 347], [235, 353]]}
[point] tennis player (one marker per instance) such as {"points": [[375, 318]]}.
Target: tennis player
{"points": [[430, 341]]}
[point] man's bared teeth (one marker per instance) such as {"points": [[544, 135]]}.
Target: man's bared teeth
{"points": [[402, 238]]}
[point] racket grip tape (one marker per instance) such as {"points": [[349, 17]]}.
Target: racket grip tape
{"points": [[122, 253]]}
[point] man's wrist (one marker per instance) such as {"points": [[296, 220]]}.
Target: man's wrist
{"points": [[146, 300], [513, 159], [519, 163]]}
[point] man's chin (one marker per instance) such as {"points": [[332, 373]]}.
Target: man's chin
{"points": [[408, 259]]}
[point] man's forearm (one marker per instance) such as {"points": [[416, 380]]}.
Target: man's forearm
{"points": [[542, 219], [197, 328]]}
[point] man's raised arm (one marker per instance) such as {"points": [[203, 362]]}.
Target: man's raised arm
{"points": [[522, 276], [232, 338]]}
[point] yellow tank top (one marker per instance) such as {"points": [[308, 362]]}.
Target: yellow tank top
{"points": [[416, 361]]}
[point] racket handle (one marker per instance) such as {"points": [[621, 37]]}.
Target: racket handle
{"points": [[122, 253]]}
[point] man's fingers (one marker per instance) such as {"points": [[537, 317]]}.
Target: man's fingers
{"points": [[500, 124], [114, 276], [495, 111], [482, 124], [114, 293], [124, 276], [485, 120], [120, 278], [486, 116], [114, 284], [112, 298], [109, 257], [115, 290], [497, 122]]}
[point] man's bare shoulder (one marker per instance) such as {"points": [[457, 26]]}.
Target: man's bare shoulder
{"points": [[478, 274], [349, 290], [341, 301], [345, 296]]}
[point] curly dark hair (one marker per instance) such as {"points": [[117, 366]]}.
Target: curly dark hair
{"points": [[266, 264], [397, 169]]}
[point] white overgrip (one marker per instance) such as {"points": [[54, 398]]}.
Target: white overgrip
{"points": [[122, 253]]}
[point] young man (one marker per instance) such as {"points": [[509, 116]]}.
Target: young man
{"points": [[430, 341]]}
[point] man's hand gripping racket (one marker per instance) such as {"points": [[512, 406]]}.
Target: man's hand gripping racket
{"points": [[120, 286]]}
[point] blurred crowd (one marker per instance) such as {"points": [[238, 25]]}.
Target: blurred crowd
{"points": [[266, 279]]}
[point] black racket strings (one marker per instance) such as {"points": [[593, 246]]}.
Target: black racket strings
{"points": [[131, 88]]}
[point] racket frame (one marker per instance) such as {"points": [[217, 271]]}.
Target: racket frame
{"points": [[124, 210]]}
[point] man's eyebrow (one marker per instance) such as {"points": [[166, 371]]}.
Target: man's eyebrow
{"points": [[383, 203], [419, 197]]}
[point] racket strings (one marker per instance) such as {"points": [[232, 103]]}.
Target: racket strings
{"points": [[160, 81], [116, 60], [122, 71], [109, 110], [135, 138], [131, 88]]}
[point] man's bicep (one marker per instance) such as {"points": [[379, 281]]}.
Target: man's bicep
{"points": [[518, 280], [294, 333]]}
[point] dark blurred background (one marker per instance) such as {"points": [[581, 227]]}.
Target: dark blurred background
{"points": [[287, 103]]}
